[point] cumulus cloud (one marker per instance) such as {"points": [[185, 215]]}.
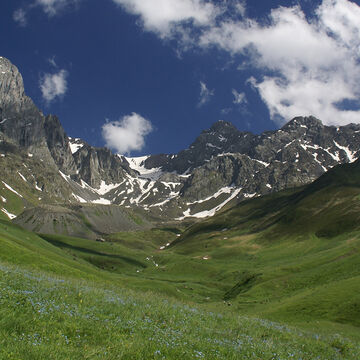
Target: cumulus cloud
{"points": [[205, 94], [54, 85], [302, 65], [308, 67], [239, 98], [165, 16], [127, 134], [19, 16]]}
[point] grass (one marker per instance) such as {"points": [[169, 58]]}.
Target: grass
{"points": [[44, 317], [276, 277]]}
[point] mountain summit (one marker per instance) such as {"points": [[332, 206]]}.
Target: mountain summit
{"points": [[11, 85]]}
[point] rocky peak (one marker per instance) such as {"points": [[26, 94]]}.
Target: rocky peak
{"points": [[11, 84], [308, 122], [23, 124], [222, 127]]}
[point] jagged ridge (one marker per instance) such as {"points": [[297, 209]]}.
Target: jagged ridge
{"points": [[221, 166]]}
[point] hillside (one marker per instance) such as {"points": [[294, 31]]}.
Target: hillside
{"points": [[51, 300], [275, 276]]}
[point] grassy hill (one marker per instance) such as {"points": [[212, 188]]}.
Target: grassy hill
{"points": [[53, 306], [295, 253], [222, 288]]}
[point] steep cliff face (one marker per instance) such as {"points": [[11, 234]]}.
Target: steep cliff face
{"points": [[21, 122], [97, 165], [59, 145]]}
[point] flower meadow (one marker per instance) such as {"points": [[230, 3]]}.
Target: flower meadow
{"points": [[43, 316]]}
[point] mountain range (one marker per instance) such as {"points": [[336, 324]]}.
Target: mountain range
{"points": [[51, 182]]}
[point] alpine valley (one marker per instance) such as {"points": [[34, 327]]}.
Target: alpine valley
{"points": [[242, 246]]}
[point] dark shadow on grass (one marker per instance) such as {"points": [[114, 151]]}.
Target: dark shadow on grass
{"points": [[93, 252]]}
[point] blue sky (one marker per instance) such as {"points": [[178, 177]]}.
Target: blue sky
{"points": [[147, 76]]}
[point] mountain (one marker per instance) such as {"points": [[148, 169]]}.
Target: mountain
{"points": [[42, 166]]}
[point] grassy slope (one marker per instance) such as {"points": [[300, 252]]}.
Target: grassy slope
{"points": [[24, 248], [296, 254], [26, 176], [259, 259], [291, 257], [43, 317], [74, 310]]}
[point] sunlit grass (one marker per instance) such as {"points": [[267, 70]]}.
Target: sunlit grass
{"points": [[45, 317]]}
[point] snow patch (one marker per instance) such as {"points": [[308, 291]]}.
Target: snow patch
{"points": [[224, 190], [66, 177], [11, 189], [10, 216], [105, 188], [138, 164], [171, 196], [79, 198], [350, 154], [227, 154], [335, 157], [317, 147], [315, 155], [207, 213], [290, 143], [213, 146], [22, 176], [74, 145], [261, 162], [101, 201]]}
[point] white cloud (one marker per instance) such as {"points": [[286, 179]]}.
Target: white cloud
{"points": [[306, 65], [49, 7], [164, 16], [53, 85], [53, 7], [127, 134], [239, 98], [205, 94], [52, 62], [19, 16]]}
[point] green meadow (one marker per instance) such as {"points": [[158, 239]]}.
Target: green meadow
{"points": [[276, 277]]}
